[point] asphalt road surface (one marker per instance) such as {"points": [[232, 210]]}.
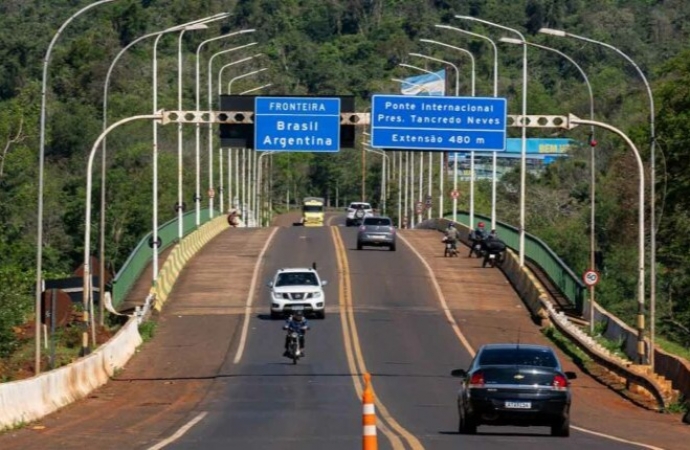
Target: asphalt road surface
{"points": [[214, 377]]}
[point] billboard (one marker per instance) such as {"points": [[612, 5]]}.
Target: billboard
{"points": [[537, 148]]}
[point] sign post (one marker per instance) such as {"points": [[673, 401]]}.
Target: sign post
{"points": [[297, 124]]}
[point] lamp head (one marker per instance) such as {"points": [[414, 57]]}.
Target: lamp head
{"points": [[195, 26], [508, 40], [553, 32]]}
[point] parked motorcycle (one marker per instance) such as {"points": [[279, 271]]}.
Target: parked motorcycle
{"points": [[476, 248], [451, 248], [493, 258], [494, 252]]}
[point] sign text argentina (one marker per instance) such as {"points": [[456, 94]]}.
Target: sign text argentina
{"points": [[297, 124], [438, 123]]}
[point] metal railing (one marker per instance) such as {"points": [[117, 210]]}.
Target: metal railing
{"points": [[141, 256]]}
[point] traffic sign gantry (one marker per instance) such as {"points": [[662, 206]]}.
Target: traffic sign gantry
{"points": [[438, 123], [297, 124], [590, 277]]}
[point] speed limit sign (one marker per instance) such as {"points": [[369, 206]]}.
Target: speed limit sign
{"points": [[591, 277]]}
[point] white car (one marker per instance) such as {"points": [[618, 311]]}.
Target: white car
{"points": [[297, 289], [356, 212]]}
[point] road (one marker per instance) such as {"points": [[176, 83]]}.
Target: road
{"points": [[214, 376]]}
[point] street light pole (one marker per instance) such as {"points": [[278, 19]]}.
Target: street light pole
{"points": [[210, 107], [197, 195], [244, 75], [592, 144], [41, 166], [640, 283], [249, 91], [520, 122], [652, 182], [473, 93], [494, 181], [87, 288]]}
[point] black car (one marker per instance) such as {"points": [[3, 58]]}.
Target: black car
{"points": [[514, 384]]}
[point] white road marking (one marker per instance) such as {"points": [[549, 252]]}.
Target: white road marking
{"points": [[250, 299], [179, 433], [614, 438]]}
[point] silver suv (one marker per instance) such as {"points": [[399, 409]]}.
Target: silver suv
{"points": [[297, 289], [376, 232], [356, 212]]}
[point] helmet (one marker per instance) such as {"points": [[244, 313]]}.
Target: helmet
{"points": [[480, 224], [451, 225], [298, 316]]}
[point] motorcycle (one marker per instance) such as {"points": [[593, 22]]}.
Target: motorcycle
{"points": [[494, 252], [294, 351], [476, 248], [492, 259], [451, 248]]}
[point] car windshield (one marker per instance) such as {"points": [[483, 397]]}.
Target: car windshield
{"points": [[312, 208], [518, 356], [297, 279], [377, 221], [360, 206]]}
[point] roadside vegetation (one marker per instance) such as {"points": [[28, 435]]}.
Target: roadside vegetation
{"points": [[347, 48]]}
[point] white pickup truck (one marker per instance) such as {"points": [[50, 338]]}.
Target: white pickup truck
{"points": [[356, 212]]}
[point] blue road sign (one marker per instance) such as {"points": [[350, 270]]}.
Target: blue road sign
{"points": [[297, 124], [438, 123]]}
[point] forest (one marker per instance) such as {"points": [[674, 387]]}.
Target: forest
{"points": [[344, 47]]}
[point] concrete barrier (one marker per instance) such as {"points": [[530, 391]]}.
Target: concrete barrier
{"points": [[31, 399], [181, 254]]}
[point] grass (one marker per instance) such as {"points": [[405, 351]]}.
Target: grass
{"points": [[64, 347], [561, 341], [672, 348], [147, 330]]}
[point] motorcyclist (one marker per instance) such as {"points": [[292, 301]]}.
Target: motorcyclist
{"points": [[477, 236], [298, 323], [451, 234]]}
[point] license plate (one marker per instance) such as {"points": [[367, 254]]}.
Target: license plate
{"points": [[518, 405], [298, 308], [492, 256]]}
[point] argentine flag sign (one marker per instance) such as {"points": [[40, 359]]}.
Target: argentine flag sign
{"points": [[426, 84]]}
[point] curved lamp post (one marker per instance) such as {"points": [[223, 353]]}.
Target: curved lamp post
{"points": [[220, 92], [41, 165], [520, 121], [197, 148], [592, 169], [210, 108], [494, 158], [244, 75], [106, 87], [258, 88], [640, 283], [473, 93], [652, 182]]}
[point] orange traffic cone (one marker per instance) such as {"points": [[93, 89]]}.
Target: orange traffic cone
{"points": [[368, 416]]}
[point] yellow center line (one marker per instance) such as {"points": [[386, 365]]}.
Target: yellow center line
{"points": [[353, 350]]}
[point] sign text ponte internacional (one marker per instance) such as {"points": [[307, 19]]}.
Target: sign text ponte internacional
{"points": [[438, 123], [297, 124]]}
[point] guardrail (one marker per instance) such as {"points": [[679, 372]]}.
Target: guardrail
{"points": [[142, 254]]}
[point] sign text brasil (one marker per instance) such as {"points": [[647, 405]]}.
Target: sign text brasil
{"points": [[438, 123], [297, 124]]}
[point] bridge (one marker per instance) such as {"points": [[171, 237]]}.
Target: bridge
{"points": [[213, 375]]}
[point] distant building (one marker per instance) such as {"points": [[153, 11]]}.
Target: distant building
{"points": [[540, 152]]}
